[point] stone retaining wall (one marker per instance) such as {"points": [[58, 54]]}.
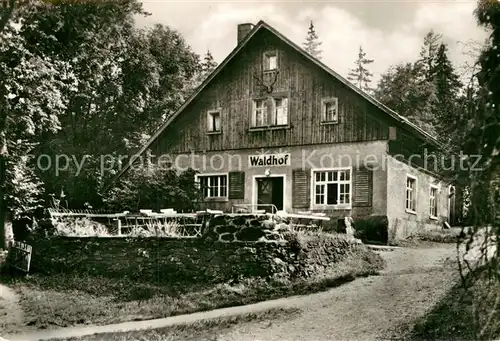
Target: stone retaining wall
{"points": [[230, 248]]}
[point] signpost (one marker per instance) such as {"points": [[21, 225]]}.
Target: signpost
{"points": [[20, 256]]}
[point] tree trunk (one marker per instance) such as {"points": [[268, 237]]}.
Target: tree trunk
{"points": [[3, 235]]}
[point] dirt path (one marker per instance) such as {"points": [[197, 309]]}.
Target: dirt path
{"points": [[10, 311], [367, 309]]}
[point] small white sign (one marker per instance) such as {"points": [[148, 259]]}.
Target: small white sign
{"points": [[269, 160], [20, 256]]}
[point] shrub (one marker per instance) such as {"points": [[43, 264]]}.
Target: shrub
{"points": [[154, 188], [157, 229], [373, 229], [79, 227]]}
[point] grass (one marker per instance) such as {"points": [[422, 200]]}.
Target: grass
{"points": [[428, 237], [452, 318], [204, 330], [62, 300]]}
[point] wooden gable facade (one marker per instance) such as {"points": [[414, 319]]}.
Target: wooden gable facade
{"points": [[304, 84]]}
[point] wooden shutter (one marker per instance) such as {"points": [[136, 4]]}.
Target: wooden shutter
{"points": [[301, 194], [363, 187], [236, 185]]}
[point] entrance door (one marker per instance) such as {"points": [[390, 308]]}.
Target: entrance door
{"points": [[269, 192]]}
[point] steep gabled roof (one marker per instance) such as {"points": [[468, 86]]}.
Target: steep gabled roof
{"points": [[261, 24]]}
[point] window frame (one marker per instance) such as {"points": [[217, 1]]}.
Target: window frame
{"points": [[415, 194], [435, 206], [208, 175], [270, 122], [266, 65], [338, 206], [324, 103], [209, 120]]}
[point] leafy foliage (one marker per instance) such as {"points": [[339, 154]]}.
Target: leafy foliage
{"points": [[129, 82], [428, 91], [34, 92], [402, 90], [312, 43], [360, 75], [79, 84], [154, 188]]}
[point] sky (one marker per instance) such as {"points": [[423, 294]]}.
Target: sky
{"points": [[390, 32]]}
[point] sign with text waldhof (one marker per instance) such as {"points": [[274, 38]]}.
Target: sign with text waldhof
{"points": [[269, 160], [20, 256]]}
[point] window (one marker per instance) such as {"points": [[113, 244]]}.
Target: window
{"points": [[270, 61], [332, 188], [281, 111], [213, 120], [263, 117], [213, 186], [433, 202], [330, 110], [259, 118], [411, 193]]}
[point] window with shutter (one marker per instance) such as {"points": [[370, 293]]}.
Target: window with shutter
{"points": [[236, 185], [363, 187], [332, 188], [281, 116], [301, 188]]}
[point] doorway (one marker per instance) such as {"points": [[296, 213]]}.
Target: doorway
{"points": [[270, 191]]}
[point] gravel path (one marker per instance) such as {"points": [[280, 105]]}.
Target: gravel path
{"points": [[10, 311], [372, 308]]}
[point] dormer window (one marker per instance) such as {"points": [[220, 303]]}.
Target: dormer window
{"points": [[270, 61], [213, 120], [330, 110]]}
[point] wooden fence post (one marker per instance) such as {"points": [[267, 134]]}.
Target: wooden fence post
{"points": [[119, 226]]}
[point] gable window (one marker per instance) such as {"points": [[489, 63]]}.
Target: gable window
{"points": [[213, 120], [330, 110], [213, 186], [411, 194], [270, 112], [270, 61], [332, 188], [433, 202]]}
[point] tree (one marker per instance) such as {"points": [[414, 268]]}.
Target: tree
{"points": [[203, 70], [448, 90], [428, 54], [79, 83], [360, 75], [312, 43], [151, 187], [131, 81], [401, 89], [33, 95], [208, 65], [481, 145]]}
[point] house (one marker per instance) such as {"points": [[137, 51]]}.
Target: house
{"points": [[272, 125]]}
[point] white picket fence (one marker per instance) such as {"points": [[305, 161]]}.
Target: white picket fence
{"points": [[185, 224]]}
